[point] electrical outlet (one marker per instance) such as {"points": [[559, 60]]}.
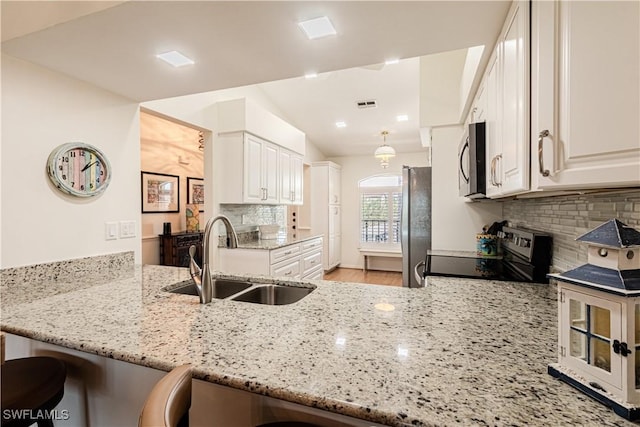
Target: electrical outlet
{"points": [[127, 229], [110, 230]]}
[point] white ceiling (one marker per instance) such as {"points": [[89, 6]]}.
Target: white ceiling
{"points": [[237, 43]]}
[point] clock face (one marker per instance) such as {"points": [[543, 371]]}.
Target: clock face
{"points": [[79, 169]]}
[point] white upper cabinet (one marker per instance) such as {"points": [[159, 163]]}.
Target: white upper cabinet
{"points": [[479, 110], [260, 171], [297, 171], [291, 168], [285, 176], [506, 84], [492, 127], [255, 169], [334, 186], [585, 102]]}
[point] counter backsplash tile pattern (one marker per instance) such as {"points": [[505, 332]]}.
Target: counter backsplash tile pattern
{"points": [[567, 217], [98, 266], [255, 214]]}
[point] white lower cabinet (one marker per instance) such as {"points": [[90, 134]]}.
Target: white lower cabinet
{"points": [[285, 261], [301, 260], [287, 268], [585, 103]]}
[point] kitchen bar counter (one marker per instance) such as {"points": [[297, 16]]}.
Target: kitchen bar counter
{"points": [[283, 239], [459, 351]]}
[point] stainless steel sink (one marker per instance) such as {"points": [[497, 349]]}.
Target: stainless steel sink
{"points": [[273, 294], [222, 288]]}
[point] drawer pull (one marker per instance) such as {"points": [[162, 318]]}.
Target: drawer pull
{"points": [[287, 252]]}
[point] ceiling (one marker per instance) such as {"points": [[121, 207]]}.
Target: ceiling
{"points": [[113, 45]]}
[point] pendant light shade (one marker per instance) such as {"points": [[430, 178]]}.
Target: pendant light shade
{"points": [[384, 152]]}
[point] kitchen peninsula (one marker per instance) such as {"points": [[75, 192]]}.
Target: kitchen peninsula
{"points": [[466, 352]]}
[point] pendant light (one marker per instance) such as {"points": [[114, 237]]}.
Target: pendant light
{"points": [[384, 152]]}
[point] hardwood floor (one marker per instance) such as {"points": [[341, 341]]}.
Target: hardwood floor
{"points": [[389, 278]]}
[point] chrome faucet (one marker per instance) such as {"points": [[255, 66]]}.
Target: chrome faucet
{"points": [[202, 276]]}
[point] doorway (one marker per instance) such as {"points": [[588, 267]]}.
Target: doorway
{"points": [[175, 150]]}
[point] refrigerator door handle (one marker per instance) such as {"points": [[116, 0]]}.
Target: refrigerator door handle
{"points": [[420, 277]]}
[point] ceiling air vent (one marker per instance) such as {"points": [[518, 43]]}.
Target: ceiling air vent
{"points": [[369, 103]]}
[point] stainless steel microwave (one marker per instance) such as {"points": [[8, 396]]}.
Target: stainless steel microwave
{"points": [[472, 162]]}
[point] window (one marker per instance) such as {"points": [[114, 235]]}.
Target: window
{"points": [[380, 207]]}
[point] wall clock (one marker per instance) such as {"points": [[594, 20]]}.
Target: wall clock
{"points": [[79, 169]]}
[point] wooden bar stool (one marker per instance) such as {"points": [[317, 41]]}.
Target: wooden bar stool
{"points": [[31, 388]]}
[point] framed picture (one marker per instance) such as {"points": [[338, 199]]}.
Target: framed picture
{"points": [[195, 192], [160, 192]]}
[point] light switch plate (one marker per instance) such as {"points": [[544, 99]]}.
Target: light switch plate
{"points": [[110, 230], [127, 229]]}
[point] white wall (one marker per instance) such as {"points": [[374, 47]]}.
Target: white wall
{"points": [[355, 168], [312, 154], [454, 221], [440, 85], [42, 109], [195, 110]]}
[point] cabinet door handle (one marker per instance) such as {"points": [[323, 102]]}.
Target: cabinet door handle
{"points": [[493, 171], [498, 158], [541, 136]]}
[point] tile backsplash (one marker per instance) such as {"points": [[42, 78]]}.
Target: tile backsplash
{"points": [[567, 217], [240, 215]]}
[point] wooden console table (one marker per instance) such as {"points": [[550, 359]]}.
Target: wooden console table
{"points": [[174, 248]]}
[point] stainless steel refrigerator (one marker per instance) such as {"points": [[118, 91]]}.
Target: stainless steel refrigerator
{"points": [[415, 222]]}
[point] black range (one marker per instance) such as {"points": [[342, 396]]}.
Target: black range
{"points": [[526, 257]]}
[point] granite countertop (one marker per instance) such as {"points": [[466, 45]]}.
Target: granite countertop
{"points": [[460, 351], [283, 239]]}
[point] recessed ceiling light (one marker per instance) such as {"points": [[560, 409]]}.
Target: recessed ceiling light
{"points": [[310, 76], [318, 27], [175, 58], [341, 124], [402, 118], [392, 61]]}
